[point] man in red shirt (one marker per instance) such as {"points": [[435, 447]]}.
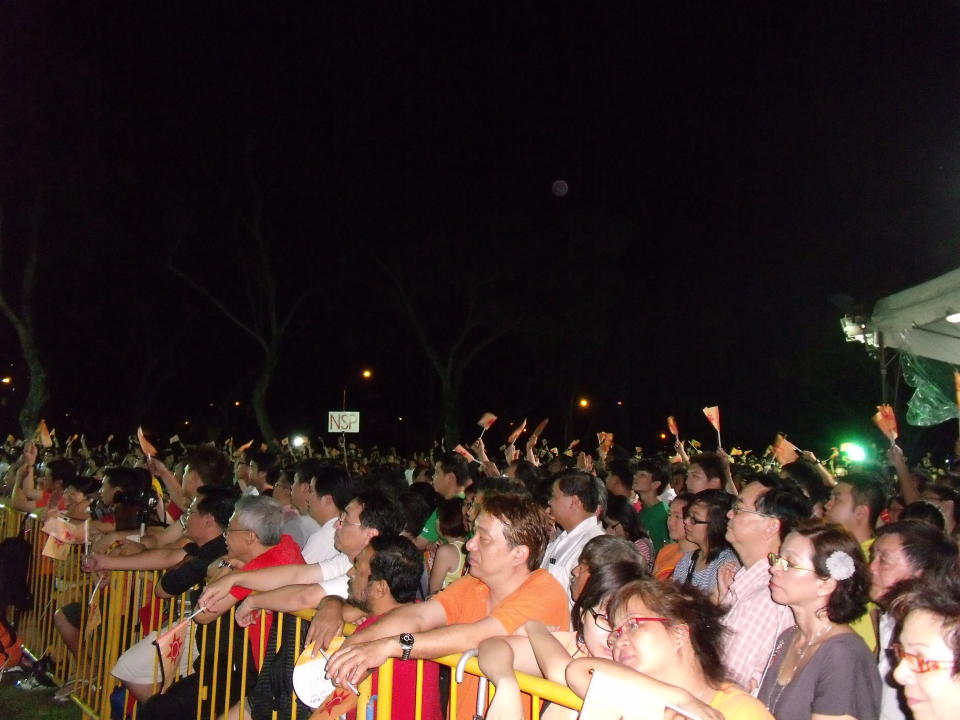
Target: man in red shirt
{"points": [[253, 541]]}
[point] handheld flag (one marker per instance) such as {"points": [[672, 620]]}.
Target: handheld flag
{"points": [[485, 421], [461, 450], [541, 426], [243, 448], [605, 440], [785, 451], [512, 437], [43, 435], [672, 427], [886, 421], [713, 415], [148, 449]]}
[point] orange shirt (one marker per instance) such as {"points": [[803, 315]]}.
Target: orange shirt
{"points": [[540, 597]]}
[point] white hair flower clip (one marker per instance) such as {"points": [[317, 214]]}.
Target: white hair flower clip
{"points": [[840, 565]]}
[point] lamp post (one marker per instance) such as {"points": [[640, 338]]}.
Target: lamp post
{"points": [[365, 374]]}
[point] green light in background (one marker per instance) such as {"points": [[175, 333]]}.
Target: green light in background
{"points": [[853, 451]]}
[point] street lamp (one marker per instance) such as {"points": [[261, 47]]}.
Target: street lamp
{"points": [[584, 403]]}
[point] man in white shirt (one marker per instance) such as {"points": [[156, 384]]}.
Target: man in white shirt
{"points": [[302, 526], [326, 484], [577, 499], [287, 588]]}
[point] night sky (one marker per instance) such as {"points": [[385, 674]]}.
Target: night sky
{"points": [[730, 169]]}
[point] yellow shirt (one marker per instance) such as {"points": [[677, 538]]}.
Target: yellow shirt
{"points": [[737, 704], [863, 625]]}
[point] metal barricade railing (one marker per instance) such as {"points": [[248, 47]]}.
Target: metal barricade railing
{"points": [[112, 608]]}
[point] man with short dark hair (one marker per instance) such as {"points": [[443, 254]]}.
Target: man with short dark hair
{"points": [[705, 472], [856, 502], [756, 525], [324, 483], [576, 500], [450, 477], [650, 477]]}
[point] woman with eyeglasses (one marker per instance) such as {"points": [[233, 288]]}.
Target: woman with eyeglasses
{"points": [[665, 649], [820, 668], [928, 651], [546, 654], [705, 525]]}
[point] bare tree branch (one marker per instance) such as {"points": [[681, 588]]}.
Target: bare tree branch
{"points": [[218, 304]]}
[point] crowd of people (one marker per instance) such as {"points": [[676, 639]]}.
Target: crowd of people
{"points": [[700, 582]]}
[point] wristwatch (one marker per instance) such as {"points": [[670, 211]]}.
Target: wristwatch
{"points": [[406, 644]]}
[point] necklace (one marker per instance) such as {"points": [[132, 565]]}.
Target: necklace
{"points": [[801, 653]]}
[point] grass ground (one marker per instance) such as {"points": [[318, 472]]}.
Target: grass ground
{"points": [[17, 704]]}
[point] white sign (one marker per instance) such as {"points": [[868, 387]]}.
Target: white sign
{"points": [[343, 421]]}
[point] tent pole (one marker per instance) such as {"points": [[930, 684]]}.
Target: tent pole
{"points": [[883, 368]]}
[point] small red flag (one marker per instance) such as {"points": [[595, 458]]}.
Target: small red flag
{"points": [[713, 415], [886, 421], [487, 420], [512, 437], [784, 450], [541, 426], [43, 435], [148, 449], [672, 427], [461, 450]]}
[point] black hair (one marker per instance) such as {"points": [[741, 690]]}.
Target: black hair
{"points": [[211, 465], [399, 563], [416, 509], [450, 518], [711, 464], [127, 481], [584, 486], [620, 510], [216, 502], [789, 506], [718, 503], [923, 511], [927, 549], [451, 462], [658, 467], [807, 477], [603, 582], [329, 479], [945, 493], [607, 549], [62, 470], [380, 512], [867, 490], [621, 469], [528, 474]]}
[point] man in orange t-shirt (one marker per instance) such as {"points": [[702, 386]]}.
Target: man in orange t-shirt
{"points": [[505, 589]]}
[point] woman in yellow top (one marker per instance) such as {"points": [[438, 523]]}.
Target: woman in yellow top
{"points": [[666, 650], [450, 558]]}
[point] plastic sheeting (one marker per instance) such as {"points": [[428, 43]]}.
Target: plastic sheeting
{"points": [[934, 398]]}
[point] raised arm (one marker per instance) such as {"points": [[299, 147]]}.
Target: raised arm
{"points": [[159, 559], [262, 580]]}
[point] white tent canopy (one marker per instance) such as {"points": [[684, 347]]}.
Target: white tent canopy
{"points": [[913, 320]]}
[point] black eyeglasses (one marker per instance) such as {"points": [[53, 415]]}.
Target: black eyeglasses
{"points": [[602, 621], [691, 520]]}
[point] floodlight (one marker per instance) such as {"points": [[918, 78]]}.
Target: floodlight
{"points": [[853, 451]]}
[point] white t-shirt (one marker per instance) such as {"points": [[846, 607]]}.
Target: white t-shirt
{"points": [[564, 551], [319, 545], [335, 574]]}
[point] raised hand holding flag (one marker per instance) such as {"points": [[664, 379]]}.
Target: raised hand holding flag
{"points": [[512, 437], [785, 451], [713, 415], [485, 421], [672, 427], [148, 449], [886, 421]]}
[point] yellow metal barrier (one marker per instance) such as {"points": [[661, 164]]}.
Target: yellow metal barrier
{"points": [[110, 623]]}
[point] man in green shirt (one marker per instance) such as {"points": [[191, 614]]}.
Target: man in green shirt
{"points": [[450, 476], [650, 477]]}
